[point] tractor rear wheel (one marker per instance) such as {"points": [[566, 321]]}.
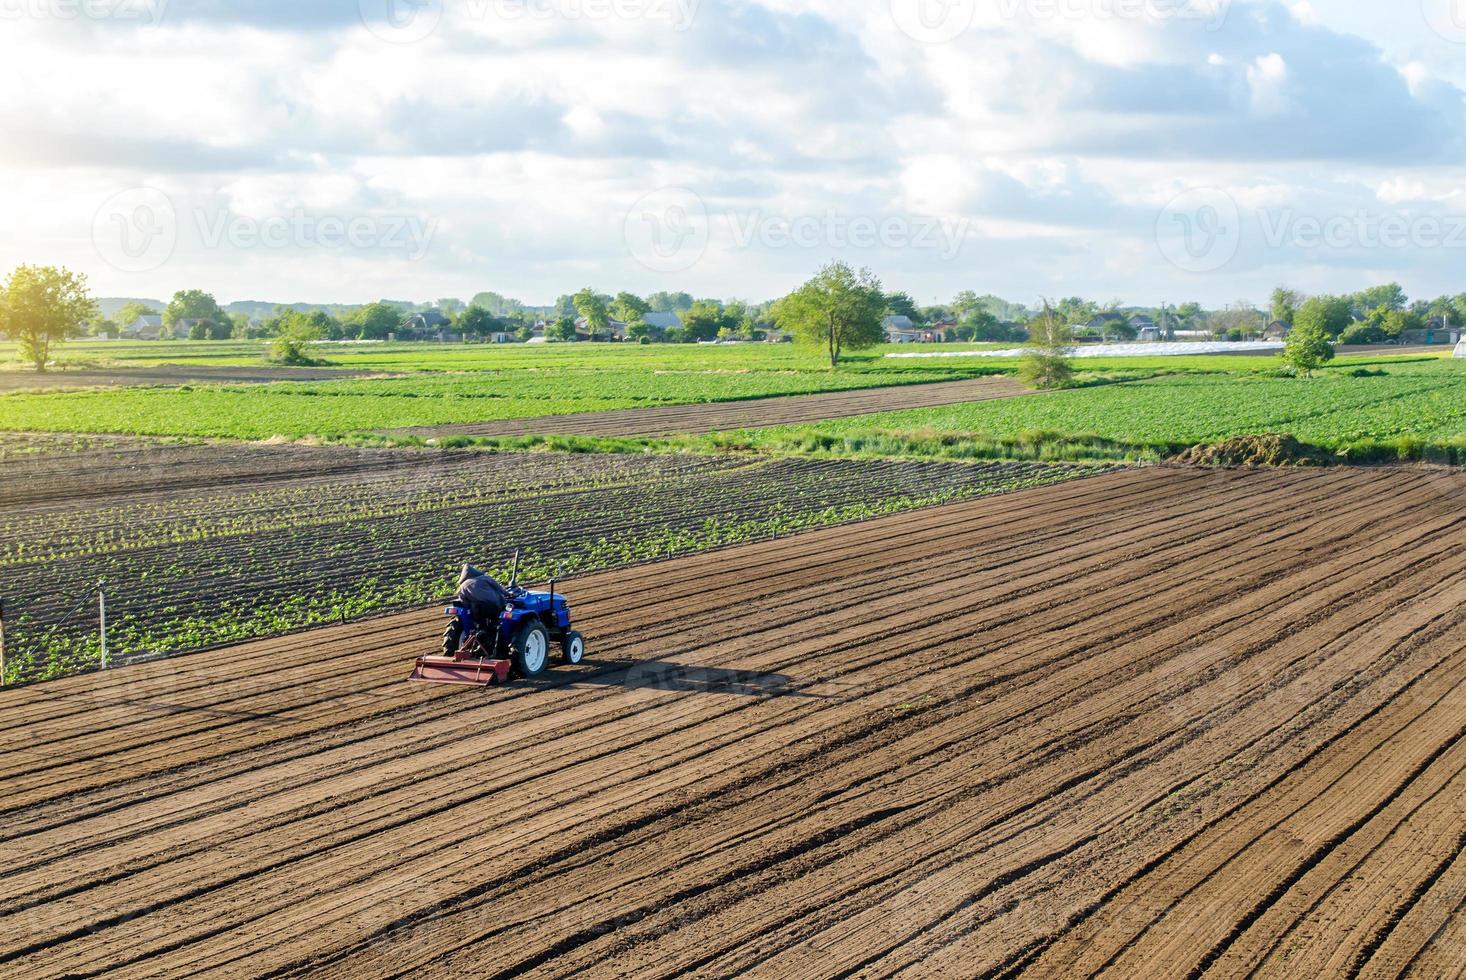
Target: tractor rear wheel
{"points": [[531, 649], [452, 638], [573, 647]]}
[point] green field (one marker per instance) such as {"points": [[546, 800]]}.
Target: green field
{"points": [[1412, 410], [337, 408], [1411, 406]]}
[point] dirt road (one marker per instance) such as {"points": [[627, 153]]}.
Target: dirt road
{"points": [[666, 420], [1154, 723]]}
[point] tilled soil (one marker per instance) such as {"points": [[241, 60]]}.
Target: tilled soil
{"points": [[1154, 723], [163, 375], [664, 420], [202, 544]]}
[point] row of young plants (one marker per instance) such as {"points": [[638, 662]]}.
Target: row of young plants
{"points": [[253, 580]]}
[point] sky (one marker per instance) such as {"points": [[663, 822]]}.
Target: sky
{"points": [[351, 150]]}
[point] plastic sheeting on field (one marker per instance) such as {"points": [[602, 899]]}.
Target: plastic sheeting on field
{"points": [[1157, 349]]}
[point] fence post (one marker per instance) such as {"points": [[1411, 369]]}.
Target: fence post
{"points": [[2, 643], [102, 617]]}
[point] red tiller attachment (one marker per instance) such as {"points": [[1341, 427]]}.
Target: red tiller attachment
{"points": [[450, 670]]}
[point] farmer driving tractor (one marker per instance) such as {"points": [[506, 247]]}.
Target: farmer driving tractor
{"points": [[485, 598], [494, 630]]}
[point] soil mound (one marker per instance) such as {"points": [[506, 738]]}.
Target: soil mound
{"points": [[1264, 450]]}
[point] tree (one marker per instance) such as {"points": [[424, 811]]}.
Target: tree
{"points": [[131, 310], [669, 302], [703, 320], [375, 321], [42, 305], [629, 307], [1285, 303], [562, 329], [901, 304], [451, 307], [1363, 333], [1308, 346], [1073, 309], [1396, 322], [643, 331], [1050, 342], [1241, 316], [195, 304], [980, 325], [839, 308], [1391, 296], [105, 328], [293, 344], [592, 306], [476, 322], [1330, 314]]}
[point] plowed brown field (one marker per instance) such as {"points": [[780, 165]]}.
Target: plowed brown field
{"points": [[164, 375], [1154, 723], [664, 420]]}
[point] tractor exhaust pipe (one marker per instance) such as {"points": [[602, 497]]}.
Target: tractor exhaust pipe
{"points": [[514, 575]]}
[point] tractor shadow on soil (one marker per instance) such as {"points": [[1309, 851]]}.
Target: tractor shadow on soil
{"points": [[663, 675]]}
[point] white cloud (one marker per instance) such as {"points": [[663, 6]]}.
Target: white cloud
{"points": [[525, 139]]}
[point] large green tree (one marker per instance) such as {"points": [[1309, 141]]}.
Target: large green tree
{"points": [[1285, 303], [1309, 346], [1391, 296], [42, 305], [131, 310], [375, 321], [1050, 342], [629, 307], [592, 305], [1329, 314], [839, 309], [195, 304], [476, 322], [901, 304], [665, 302], [704, 320]]}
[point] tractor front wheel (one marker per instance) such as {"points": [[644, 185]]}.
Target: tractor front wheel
{"points": [[574, 648], [531, 649]]}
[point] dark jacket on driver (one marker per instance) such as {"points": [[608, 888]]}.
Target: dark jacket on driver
{"points": [[484, 597]]}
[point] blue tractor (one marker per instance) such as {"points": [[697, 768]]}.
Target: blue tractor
{"points": [[519, 643]]}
